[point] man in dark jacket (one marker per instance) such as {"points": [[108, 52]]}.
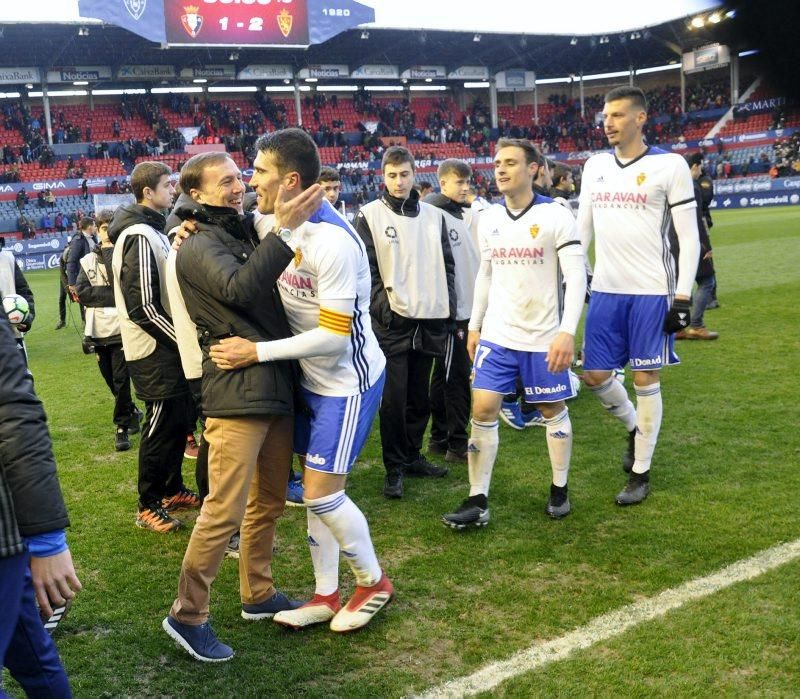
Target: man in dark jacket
{"points": [[96, 293], [228, 283], [80, 246], [705, 277], [149, 343], [413, 308], [35, 562]]}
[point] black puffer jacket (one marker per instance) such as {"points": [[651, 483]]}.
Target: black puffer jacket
{"points": [[228, 281], [30, 497]]}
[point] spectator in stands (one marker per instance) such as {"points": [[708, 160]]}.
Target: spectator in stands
{"points": [[563, 184], [96, 294], [412, 319], [47, 223], [25, 226], [50, 198], [21, 198], [41, 202], [35, 561], [85, 188], [424, 188]]}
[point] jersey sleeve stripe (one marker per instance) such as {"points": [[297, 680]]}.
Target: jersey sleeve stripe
{"points": [[678, 203], [569, 242]]}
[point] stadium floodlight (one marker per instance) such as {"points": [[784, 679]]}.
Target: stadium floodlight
{"points": [[9, 95], [553, 81], [80, 82], [337, 88], [312, 80], [125, 91], [697, 22], [29, 86], [233, 88], [658, 69], [715, 18], [428, 80], [286, 81], [425, 88], [200, 81], [751, 52], [234, 56], [365, 34], [384, 88], [601, 76], [279, 88], [83, 31], [474, 85], [476, 38], [730, 14], [59, 93], [172, 90], [573, 41]]}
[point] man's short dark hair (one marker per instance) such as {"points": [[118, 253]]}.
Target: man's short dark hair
{"points": [[193, 169], [560, 173], [104, 216], [294, 151], [328, 174], [532, 154], [634, 94], [453, 166], [694, 159], [86, 223], [424, 186], [147, 174], [397, 155]]}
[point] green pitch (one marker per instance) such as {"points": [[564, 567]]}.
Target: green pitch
{"points": [[725, 480]]}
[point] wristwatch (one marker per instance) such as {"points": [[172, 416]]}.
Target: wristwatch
{"points": [[285, 234]]}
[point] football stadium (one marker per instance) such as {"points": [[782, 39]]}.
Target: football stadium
{"points": [[336, 341]]}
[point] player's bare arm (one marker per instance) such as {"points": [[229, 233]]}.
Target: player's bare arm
{"points": [[560, 353]]}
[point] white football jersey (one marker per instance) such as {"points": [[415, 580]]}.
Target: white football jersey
{"points": [[628, 207], [330, 264], [525, 294]]}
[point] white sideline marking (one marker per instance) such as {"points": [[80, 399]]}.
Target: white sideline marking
{"points": [[614, 623]]}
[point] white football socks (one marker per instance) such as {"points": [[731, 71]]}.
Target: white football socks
{"points": [[649, 410], [559, 445], [350, 529], [614, 398], [324, 555], [481, 455]]}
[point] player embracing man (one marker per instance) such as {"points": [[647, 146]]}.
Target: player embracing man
{"points": [[325, 291], [521, 324], [627, 201]]}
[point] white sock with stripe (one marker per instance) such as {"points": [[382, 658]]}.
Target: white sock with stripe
{"points": [[324, 555], [350, 529], [559, 446], [481, 454], [614, 398], [649, 410]]}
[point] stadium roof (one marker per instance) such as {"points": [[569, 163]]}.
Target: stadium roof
{"points": [[51, 45]]}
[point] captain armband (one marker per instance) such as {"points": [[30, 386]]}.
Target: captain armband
{"points": [[335, 322]]}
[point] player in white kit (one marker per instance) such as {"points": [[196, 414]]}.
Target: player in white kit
{"points": [[325, 292], [522, 325], [627, 200]]}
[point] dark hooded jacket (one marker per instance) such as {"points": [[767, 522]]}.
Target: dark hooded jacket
{"points": [[228, 282]]}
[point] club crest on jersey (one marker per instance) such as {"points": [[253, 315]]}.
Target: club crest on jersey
{"points": [[135, 8], [534, 229], [298, 257], [453, 233], [285, 22], [640, 178], [192, 21], [390, 232]]}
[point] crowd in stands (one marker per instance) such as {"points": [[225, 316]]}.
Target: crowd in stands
{"points": [[787, 157]]}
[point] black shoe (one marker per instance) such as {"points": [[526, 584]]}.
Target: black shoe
{"points": [[629, 456], [422, 468], [60, 324], [474, 512], [712, 305], [558, 505], [121, 442], [636, 489], [454, 456], [438, 448], [135, 420], [393, 485]]}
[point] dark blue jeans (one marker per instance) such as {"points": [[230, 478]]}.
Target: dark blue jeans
{"points": [[25, 647], [702, 297]]}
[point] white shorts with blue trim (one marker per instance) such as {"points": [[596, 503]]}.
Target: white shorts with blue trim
{"points": [[332, 436], [627, 329], [496, 369]]}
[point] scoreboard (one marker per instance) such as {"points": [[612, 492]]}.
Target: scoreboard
{"points": [[236, 22]]}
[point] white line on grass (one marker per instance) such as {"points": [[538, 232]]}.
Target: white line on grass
{"points": [[614, 623]]}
